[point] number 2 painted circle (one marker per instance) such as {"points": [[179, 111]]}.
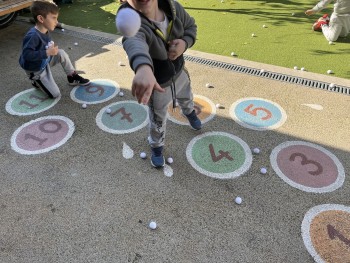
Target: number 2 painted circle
{"points": [[258, 114], [218, 154], [98, 91], [42, 135], [308, 167], [326, 233]]}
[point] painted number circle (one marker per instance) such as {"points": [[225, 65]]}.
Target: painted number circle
{"points": [[326, 233], [42, 135], [29, 102], [98, 91], [308, 167], [204, 108], [258, 114], [219, 155], [125, 117]]}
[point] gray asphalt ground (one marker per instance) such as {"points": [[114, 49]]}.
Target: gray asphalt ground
{"points": [[84, 202]]}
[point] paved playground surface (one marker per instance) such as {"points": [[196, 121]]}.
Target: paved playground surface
{"points": [[74, 188]]}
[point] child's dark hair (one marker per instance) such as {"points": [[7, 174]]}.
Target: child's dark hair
{"points": [[43, 8]]}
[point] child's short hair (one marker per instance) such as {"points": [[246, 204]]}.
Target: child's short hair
{"points": [[43, 8]]}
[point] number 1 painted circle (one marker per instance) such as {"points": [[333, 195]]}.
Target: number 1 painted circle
{"points": [[218, 154], [326, 233], [30, 102], [98, 91], [42, 135], [308, 167], [258, 114]]}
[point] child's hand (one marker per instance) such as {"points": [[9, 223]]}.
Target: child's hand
{"points": [[52, 51], [176, 48], [309, 12], [144, 83]]}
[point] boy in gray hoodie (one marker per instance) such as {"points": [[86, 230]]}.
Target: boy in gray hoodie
{"points": [[156, 56]]}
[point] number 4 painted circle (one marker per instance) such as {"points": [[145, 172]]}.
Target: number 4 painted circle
{"points": [[326, 233], [219, 155], [308, 167], [258, 114]]}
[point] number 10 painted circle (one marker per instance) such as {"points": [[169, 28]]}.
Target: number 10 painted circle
{"points": [[308, 167], [218, 154], [42, 135], [258, 114]]}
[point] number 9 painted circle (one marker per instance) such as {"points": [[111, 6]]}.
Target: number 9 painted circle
{"points": [[308, 167], [219, 155], [258, 114]]}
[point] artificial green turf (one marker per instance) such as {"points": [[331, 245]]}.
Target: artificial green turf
{"points": [[225, 27]]}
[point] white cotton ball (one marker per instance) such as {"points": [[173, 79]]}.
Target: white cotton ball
{"points": [[143, 155], [152, 225], [233, 54], [208, 85], [238, 200], [329, 71], [253, 35], [121, 63], [76, 43], [332, 85], [303, 69], [264, 26], [170, 160], [84, 105], [330, 42], [263, 170], [128, 22], [108, 111], [62, 29], [256, 150], [121, 94], [262, 70], [296, 67]]}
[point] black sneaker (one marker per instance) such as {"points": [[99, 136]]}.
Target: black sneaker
{"points": [[194, 121], [157, 158], [76, 80]]}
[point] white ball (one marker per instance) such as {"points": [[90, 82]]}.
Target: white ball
{"points": [[108, 111], [253, 35], [208, 85], [262, 70], [332, 85], [152, 225], [238, 200], [62, 29], [329, 71], [121, 63], [84, 105], [293, 14], [218, 106], [233, 54], [303, 69], [170, 160], [143, 155], [121, 94], [264, 26], [330, 42], [75, 44], [128, 22], [256, 150], [295, 67], [263, 170]]}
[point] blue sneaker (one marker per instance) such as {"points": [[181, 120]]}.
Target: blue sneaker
{"points": [[157, 158], [194, 121]]}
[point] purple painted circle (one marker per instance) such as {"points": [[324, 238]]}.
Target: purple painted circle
{"points": [[307, 166]]}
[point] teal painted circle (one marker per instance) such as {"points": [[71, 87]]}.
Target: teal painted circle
{"points": [[258, 114], [98, 91], [124, 117], [29, 102], [219, 155]]}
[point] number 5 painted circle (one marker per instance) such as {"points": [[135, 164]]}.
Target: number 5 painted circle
{"points": [[219, 155], [42, 135], [326, 233], [258, 114], [308, 167]]}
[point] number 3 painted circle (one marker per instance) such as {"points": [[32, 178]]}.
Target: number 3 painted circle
{"points": [[258, 114], [325, 230], [308, 167], [42, 135], [219, 155]]}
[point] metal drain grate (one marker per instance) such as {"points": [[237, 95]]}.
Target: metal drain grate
{"points": [[232, 67]]}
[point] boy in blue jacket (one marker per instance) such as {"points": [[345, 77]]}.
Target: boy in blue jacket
{"points": [[39, 53]]}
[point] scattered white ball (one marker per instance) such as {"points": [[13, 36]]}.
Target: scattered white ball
{"points": [[329, 71], [222, 1], [170, 160], [262, 70], [238, 200], [303, 69], [108, 111], [331, 43], [295, 67], [218, 106], [208, 85], [332, 85], [84, 105], [253, 35], [263, 170], [233, 54], [76, 43], [264, 26], [62, 29], [121, 63], [256, 150], [128, 22], [121, 94], [152, 225], [293, 14], [143, 155]]}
